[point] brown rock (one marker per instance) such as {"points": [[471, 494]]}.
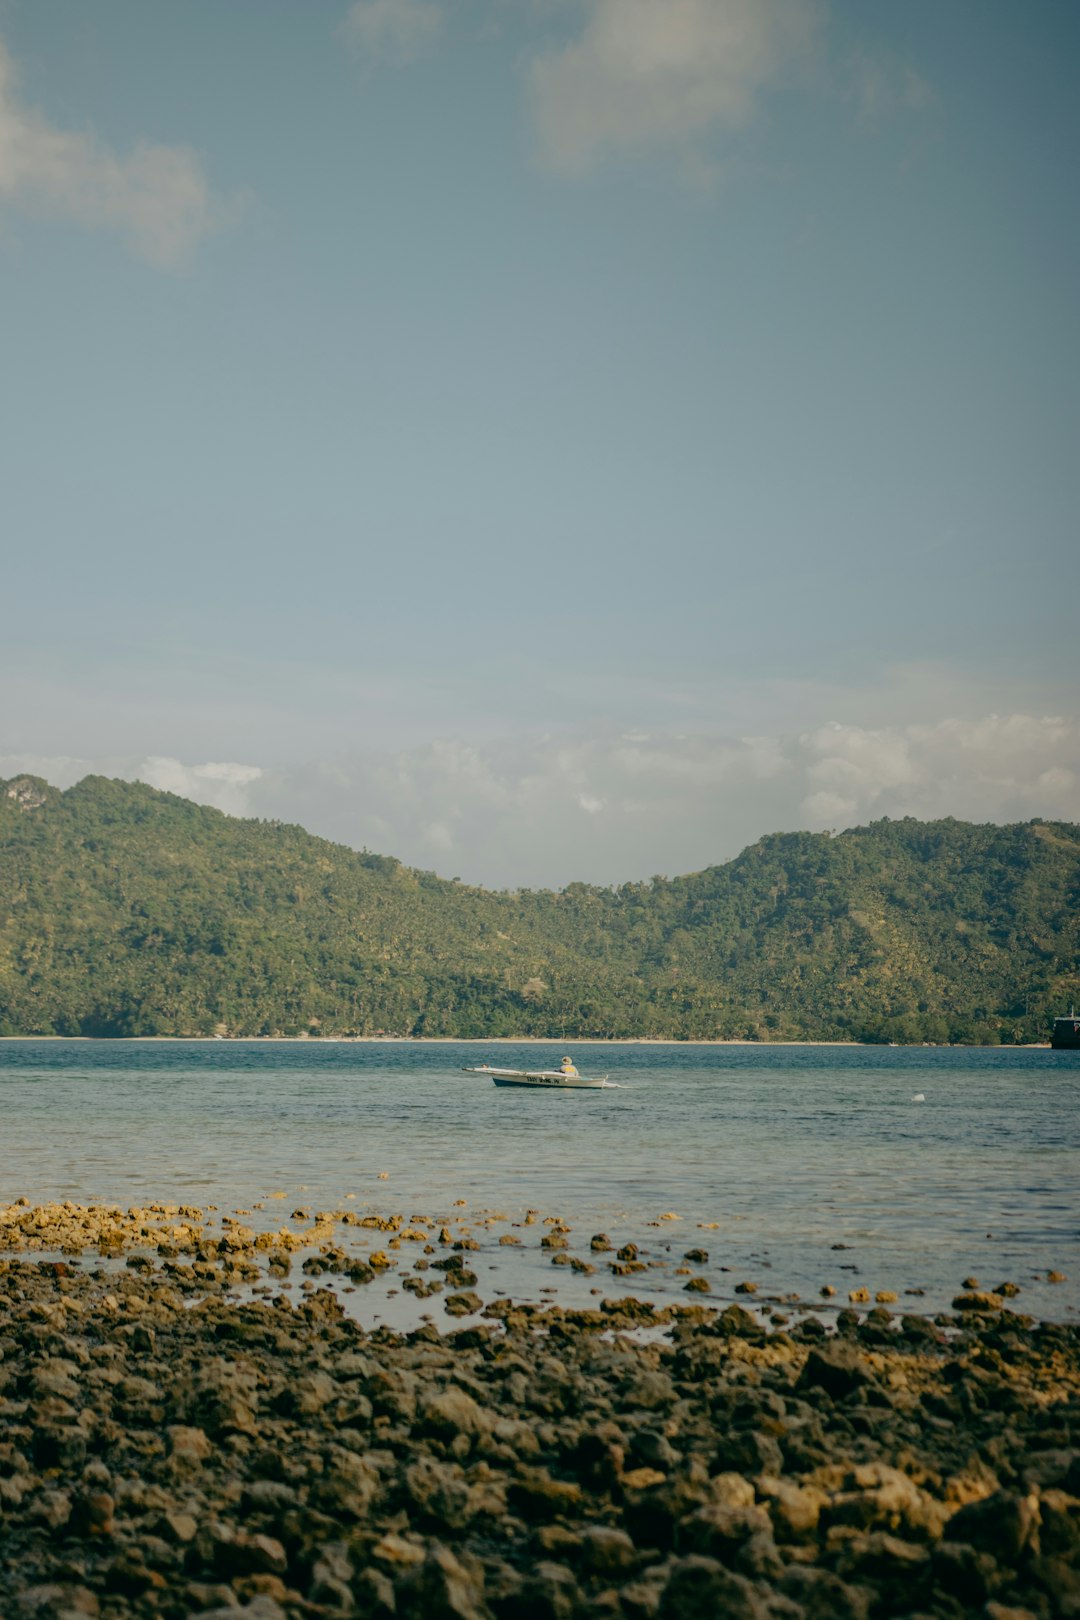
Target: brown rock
{"points": [[463, 1304], [1003, 1525], [793, 1509], [537, 1497], [702, 1589], [838, 1367]]}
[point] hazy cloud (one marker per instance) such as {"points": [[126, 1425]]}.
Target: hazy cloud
{"points": [[157, 197], [993, 769], [394, 30], [612, 808], [882, 84], [609, 809], [224, 785], [646, 74]]}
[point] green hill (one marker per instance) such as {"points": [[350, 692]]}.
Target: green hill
{"points": [[125, 911]]}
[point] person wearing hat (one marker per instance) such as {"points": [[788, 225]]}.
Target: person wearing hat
{"points": [[568, 1068]]}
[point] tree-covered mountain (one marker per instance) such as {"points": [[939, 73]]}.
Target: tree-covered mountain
{"points": [[125, 911]]}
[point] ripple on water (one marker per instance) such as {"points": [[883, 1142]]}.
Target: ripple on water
{"points": [[789, 1150]]}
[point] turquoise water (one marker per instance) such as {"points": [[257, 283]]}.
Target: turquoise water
{"points": [[789, 1150]]}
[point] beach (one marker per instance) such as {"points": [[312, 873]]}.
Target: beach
{"points": [[169, 1450]]}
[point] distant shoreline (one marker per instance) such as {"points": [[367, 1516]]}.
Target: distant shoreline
{"points": [[513, 1040]]}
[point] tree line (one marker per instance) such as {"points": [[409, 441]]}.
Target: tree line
{"points": [[127, 911]]}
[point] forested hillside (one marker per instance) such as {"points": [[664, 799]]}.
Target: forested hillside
{"points": [[125, 911]]}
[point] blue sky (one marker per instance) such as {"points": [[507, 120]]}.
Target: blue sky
{"points": [[543, 440]]}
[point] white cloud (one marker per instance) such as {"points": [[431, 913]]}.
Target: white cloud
{"points": [[224, 785], [552, 809], [395, 30], [60, 769], [439, 836], [997, 768], [661, 73], [158, 197]]}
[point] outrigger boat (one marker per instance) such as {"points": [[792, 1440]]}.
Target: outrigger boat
{"points": [[556, 1079]]}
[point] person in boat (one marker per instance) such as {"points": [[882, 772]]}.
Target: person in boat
{"points": [[568, 1068]]}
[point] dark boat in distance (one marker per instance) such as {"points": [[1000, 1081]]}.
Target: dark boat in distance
{"points": [[1066, 1033]]}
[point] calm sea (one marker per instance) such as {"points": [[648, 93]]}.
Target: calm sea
{"points": [[771, 1157]]}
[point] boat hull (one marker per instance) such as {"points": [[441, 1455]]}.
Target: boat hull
{"points": [[1065, 1036], [545, 1079], [542, 1084]]}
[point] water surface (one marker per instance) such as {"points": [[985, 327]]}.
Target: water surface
{"points": [[790, 1151]]}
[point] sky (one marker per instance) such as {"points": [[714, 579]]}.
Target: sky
{"points": [[544, 440]]}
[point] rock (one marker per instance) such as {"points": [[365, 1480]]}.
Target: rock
{"points": [[452, 1411], [463, 1304], [838, 1367], [237, 1552], [822, 1595], [978, 1302], [348, 1486], [962, 1571], [438, 1493], [732, 1490], [441, 1588], [606, 1550], [749, 1451], [550, 1592], [720, 1531], [702, 1589], [651, 1449], [56, 1601], [269, 1496], [1002, 1524], [558, 1541], [881, 1556], [737, 1323], [182, 1527], [885, 1498], [1059, 1527], [261, 1607], [375, 1594], [398, 1552], [92, 1513], [59, 1445], [553, 1465], [793, 1509], [331, 1579], [537, 1497], [919, 1329]]}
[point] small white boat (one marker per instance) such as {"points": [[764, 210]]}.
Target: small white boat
{"points": [[555, 1079]]}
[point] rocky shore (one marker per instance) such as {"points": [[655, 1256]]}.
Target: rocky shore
{"points": [[167, 1450]]}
